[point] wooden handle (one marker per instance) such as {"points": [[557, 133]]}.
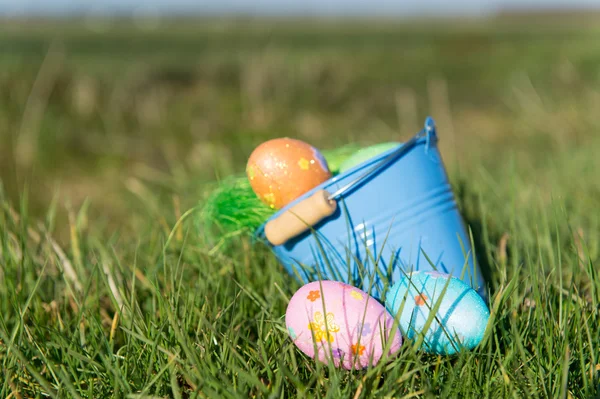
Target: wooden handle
{"points": [[300, 218]]}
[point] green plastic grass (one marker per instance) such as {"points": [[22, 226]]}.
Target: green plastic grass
{"points": [[232, 209]]}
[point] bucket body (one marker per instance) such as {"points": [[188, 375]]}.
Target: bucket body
{"points": [[402, 218]]}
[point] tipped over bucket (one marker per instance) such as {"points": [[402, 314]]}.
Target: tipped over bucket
{"points": [[393, 215]]}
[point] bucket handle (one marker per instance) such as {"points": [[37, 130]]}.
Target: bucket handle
{"points": [[321, 204]]}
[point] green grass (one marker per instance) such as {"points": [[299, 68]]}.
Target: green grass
{"points": [[110, 141]]}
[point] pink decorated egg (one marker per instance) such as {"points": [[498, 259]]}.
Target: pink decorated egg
{"points": [[330, 320]]}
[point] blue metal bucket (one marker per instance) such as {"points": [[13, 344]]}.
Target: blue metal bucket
{"points": [[401, 217]]}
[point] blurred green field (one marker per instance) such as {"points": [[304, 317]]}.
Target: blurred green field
{"points": [[81, 106], [110, 132]]}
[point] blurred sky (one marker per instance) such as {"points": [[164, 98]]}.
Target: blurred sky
{"points": [[315, 7]]}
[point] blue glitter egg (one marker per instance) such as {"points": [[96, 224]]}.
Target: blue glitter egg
{"points": [[461, 318]]}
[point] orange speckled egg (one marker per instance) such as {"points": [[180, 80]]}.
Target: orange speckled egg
{"points": [[281, 170]]}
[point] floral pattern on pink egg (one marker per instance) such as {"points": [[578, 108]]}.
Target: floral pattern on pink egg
{"points": [[333, 321]]}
